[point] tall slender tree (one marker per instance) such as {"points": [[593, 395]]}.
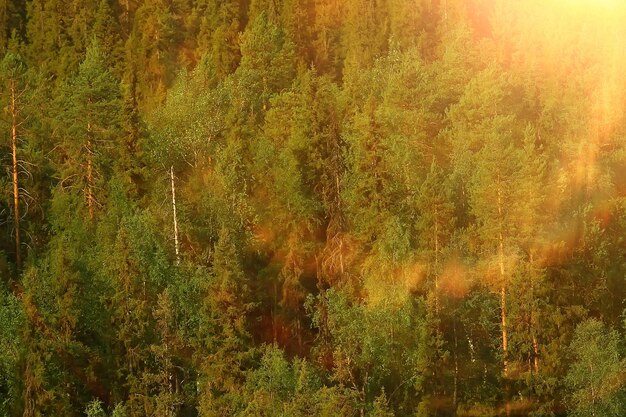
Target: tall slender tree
{"points": [[16, 90], [89, 118]]}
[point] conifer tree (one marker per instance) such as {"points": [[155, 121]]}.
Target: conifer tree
{"points": [[106, 29], [153, 43], [218, 34], [486, 140], [11, 341], [224, 330], [267, 62], [326, 43], [17, 92], [12, 21], [435, 222], [59, 34], [89, 122]]}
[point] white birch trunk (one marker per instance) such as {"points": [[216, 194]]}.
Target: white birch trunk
{"points": [[176, 247]]}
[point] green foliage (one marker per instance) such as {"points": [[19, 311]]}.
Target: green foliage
{"points": [[94, 409], [11, 345], [90, 103], [376, 348], [595, 378], [279, 387], [219, 30], [312, 208], [267, 62]]}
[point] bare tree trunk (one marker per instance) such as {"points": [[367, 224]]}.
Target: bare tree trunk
{"points": [[436, 261], [170, 387], [533, 318], [456, 371], [593, 391], [505, 339], [16, 187], [503, 302], [536, 352], [176, 248], [90, 197], [90, 180], [341, 239], [126, 17]]}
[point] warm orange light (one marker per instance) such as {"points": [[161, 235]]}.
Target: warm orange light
{"points": [[594, 3]]}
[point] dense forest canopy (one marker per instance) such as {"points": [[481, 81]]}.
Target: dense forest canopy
{"points": [[312, 208]]}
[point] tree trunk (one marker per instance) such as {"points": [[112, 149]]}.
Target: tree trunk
{"points": [[176, 249], [16, 187], [90, 198], [503, 319], [533, 318], [456, 371], [89, 180], [126, 17], [593, 391], [341, 239], [436, 261], [536, 354], [505, 340]]}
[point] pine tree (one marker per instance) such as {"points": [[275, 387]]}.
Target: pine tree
{"points": [[267, 62], [224, 350], [153, 45], [364, 38], [435, 222], [106, 29], [218, 34], [89, 121], [16, 90], [12, 321], [486, 158], [59, 33], [12, 21], [327, 30]]}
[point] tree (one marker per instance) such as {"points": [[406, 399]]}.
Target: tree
{"points": [[12, 319], [267, 62], [218, 35], [371, 355], [363, 38], [12, 21], [153, 45], [106, 29], [89, 120], [16, 89], [595, 378], [137, 272], [223, 347], [59, 33], [487, 160], [298, 165]]}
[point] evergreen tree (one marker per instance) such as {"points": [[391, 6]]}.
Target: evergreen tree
{"points": [[218, 34], [17, 92], [224, 331], [267, 62], [12, 344], [312, 208], [89, 122]]}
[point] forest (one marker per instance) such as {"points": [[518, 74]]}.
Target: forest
{"points": [[312, 208]]}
